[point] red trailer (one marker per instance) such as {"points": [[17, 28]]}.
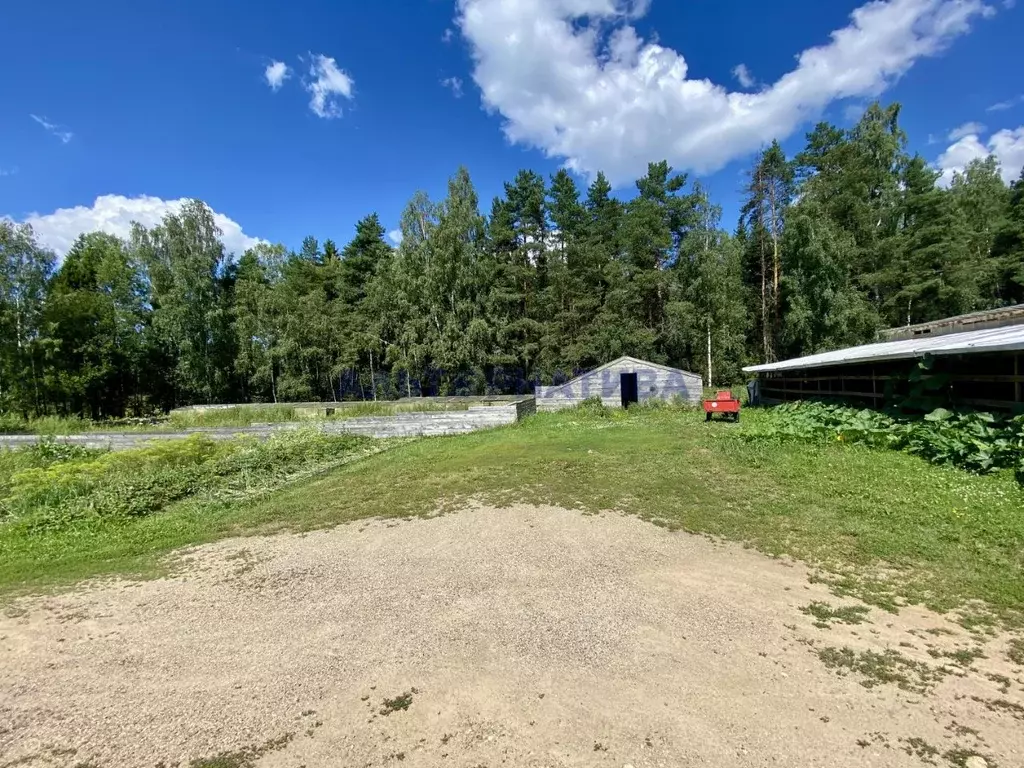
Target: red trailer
{"points": [[725, 403]]}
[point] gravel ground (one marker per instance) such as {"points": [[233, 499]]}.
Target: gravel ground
{"points": [[520, 637]]}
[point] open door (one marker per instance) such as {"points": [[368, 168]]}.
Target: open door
{"points": [[630, 389]]}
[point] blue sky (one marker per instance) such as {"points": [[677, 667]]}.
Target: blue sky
{"points": [[113, 111]]}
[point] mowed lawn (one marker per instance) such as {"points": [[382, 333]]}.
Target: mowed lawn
{"points": [[880, 525]]}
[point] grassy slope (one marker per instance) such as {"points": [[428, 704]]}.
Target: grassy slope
{"points": [[943, 536]]}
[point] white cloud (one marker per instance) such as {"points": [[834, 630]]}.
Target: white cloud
{"points": [[447, 35], [611, 100], [743, 76], [967, 129], [1008, 104], [9, 171], [454, 84], [276, 73], [395, 236], [115, 214], [1007, 145], [328, 84], [59, 131]]}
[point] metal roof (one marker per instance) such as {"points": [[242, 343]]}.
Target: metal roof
{"points": [[971, 342]]}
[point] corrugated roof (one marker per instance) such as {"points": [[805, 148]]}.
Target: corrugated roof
{"points": [[970, 342]]}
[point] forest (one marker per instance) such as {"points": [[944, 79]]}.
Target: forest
{"points": [[850, 235]]}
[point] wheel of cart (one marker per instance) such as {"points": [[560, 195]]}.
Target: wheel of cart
{"points": [[725, 403]]}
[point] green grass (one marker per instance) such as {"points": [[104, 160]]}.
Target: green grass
{"points": [[889, 667], [825, 615], [244, 416], [236, 416], [883, 526]]}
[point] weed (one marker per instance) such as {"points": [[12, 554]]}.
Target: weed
{"points": [[880, 668], [398, 704], [959, 756], [1002, 680], [1015, 652], [918, 747], [1011, 708], [599, 747], [247, 757], [826, 615], [965, 657], [980, 442], [963, 730]]}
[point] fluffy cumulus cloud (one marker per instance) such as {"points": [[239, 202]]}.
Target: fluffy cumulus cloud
{"points": [[276, 73], [967, 129], [575, 79], [1007, 145], [327, 86], [395, 236], [115, 214]]}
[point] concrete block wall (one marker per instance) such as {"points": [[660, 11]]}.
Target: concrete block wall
{"points": [[654, 382], [428, 423]]}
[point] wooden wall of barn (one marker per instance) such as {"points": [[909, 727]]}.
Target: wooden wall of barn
{"points": [[654, 382]]}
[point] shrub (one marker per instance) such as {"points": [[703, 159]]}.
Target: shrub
{"points": [[90, 486], [593, 406], [979, 442]]}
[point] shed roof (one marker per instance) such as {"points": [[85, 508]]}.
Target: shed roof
{"points": [[624, 359], [971, 342], [636, 361]]}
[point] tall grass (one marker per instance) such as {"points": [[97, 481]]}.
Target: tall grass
{"points": [[246, 416], [240, 416], [236, 416], [58, 488]]}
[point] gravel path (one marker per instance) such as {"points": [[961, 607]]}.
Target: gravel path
{"points": [[519, 637]]}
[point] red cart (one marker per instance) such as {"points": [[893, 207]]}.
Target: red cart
{"points": [[725, 403]]}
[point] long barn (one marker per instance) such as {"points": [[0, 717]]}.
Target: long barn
{"points": [[622, 382], [973, 361]]}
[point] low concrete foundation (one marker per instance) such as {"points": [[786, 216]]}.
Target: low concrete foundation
{"points": [[412, 424]]}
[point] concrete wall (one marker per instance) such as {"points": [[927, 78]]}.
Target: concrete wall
{"points": [[427, 423], [654, 382]]}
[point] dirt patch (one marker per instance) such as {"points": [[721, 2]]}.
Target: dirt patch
{"points": [[527, 636]]}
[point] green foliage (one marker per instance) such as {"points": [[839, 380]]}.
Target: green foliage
{"points": [[979, 442], [240, 416], [848, 236], [54, 487]]}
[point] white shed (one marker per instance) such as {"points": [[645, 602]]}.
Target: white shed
{"points": [[621, 382]]}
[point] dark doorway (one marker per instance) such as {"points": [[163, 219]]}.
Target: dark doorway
{"points": [[630, 389]]}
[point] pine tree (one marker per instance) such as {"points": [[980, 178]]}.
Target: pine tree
{"points": [[769, 194], [933, 275]]}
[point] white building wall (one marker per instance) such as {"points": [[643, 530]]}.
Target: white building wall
{"points": [[653, 382]]}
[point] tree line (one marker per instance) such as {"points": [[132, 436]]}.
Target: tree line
{"points": [[851, 235]]}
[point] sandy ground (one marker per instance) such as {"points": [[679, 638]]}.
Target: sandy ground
{"points": [[523, 637]]}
